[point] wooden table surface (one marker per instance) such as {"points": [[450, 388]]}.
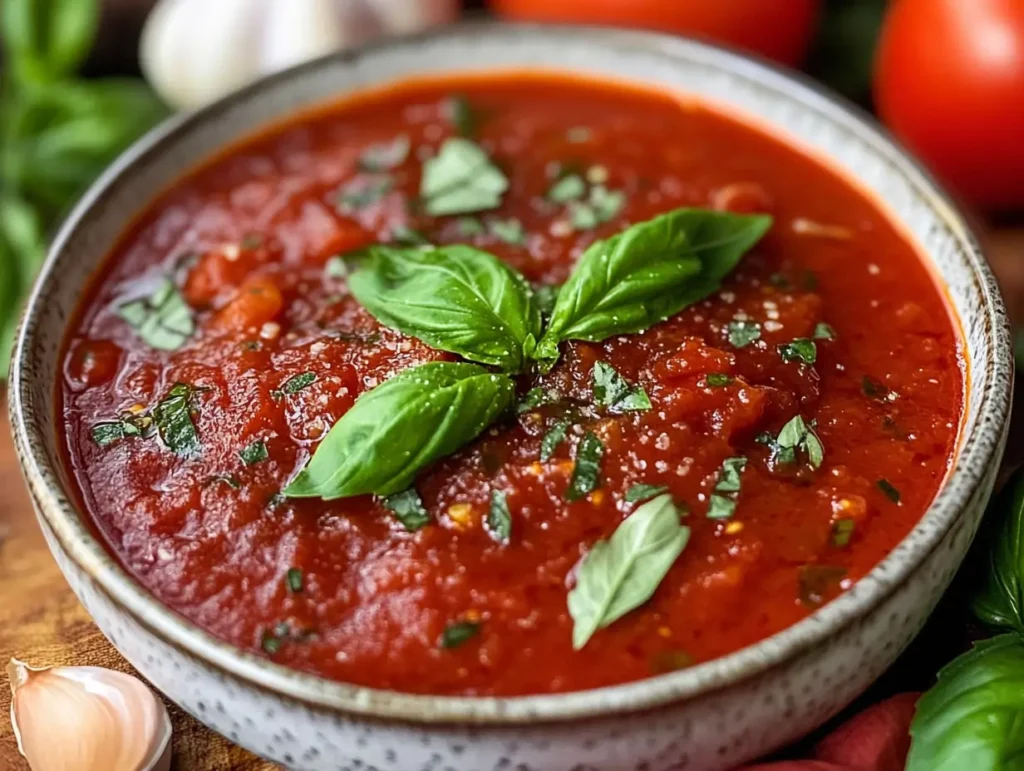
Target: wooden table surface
{"points": [[42, 622]]}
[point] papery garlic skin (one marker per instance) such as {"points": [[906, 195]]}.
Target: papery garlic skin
{"points": [[87, 719], [193, 51]]}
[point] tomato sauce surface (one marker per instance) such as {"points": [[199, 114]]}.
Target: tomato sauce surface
{"points": [[341, 588]]}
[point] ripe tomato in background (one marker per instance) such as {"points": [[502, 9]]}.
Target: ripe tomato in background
{"points": [[949, 81], [779, 29]]}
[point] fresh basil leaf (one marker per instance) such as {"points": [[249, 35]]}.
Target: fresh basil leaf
{"points": [[973, 717], [622, 573], [722, 504], [571, 187], [172, 417], [462, 115], [295, 580], [163, 320], [105, 434], [499, 518], [818, 583], [890, 490], [363, 192], [455, 298], [408, 508], [552, 439], [384, 156], [537, 397], [801, 350], [648, 273], [253, 453], [642, 492], [461, 179], [612, 392], [586, 473], [510, 231], [824, 331], [48, 39], [297, 383], [458, 633], [742, 333], [1000, 603], [398, 428], [797, 435]]}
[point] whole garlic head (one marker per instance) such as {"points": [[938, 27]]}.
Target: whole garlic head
{"points": [[87, 719], [193, 51]]}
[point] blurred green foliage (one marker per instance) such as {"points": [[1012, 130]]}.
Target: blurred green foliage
{"points": [[844, 50], [57, 133]]}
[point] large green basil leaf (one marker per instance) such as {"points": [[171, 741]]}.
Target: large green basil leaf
{"points": [[621, 574], [973, 718], [1000, 604], [455, 298], [48, 39], [398, 428], [648, 273]]}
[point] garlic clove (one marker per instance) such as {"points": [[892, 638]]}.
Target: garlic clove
{"points": [[87, 719]]}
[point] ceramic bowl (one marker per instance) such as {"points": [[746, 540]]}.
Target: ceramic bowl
{"points": [[709, 717]]}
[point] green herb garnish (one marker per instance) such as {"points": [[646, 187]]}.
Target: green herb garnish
{"points": [[571, 187], [643, 492], [823, 331], [889, 489], [510, 231], [163, 320], [254, 453], [385, 156], [742, 333], [842, 532], [295, 580], [457, 633], [172, 417], [336, 268], [612, 392], [408, 508], [470, 226], [622, 573], [722, 504], [717, 380], [586, 474], [499, 518], [364, 191], [537, 397], [552, 439], [797, 435], [801, 350], [105, 434], [462, 115], [461, 179]]}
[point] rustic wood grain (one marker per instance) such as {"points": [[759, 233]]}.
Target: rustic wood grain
{"points": [[42, 622]]}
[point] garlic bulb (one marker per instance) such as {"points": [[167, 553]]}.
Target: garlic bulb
{"points": [[87, 719], [193, 51]]}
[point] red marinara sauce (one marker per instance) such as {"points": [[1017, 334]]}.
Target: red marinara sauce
{"points": [[341, 588]]}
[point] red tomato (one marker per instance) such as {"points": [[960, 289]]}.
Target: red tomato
{"points": [[778, 29], [949, 81]]}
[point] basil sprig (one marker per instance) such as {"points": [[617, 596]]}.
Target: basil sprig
{"points": [[455, 298], [648, 273], [396, 429], [621, 574], [1000, 604]]}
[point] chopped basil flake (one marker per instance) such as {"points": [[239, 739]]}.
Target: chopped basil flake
{"points": [[336, 268], [296, 383], [602, 205], [294, 580], [717, 380], [105, 434], [842, 532], [722, 504], [173, 419], [586, 474], [890, 490], [643, 492], [797, 435], [537, 397], [271, 642], [163, 320], [408, 508], [818, 582], [408, 237], [462, 115], [510, 231], [470, 226], [384, 156], [571, 187], [461, 179], [824, 331], [801, 350], [364, 191], [457, 633], [499, 519], [552, 439], [613, 392], [254, 453], [873, 389], [743, 333]]}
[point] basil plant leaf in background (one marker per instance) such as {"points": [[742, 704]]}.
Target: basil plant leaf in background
{"points": [[398, 428], [973, 718], [648, 273], [1000, 604], [455, 298], [57, 133]]}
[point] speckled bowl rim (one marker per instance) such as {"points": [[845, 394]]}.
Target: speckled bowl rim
{"points": [[994, 385]]}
